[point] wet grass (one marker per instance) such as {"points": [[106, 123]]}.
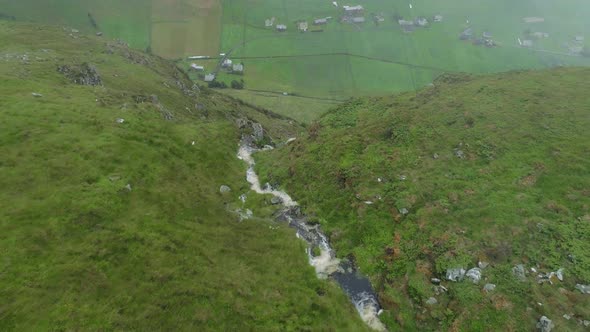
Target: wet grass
{"points": [[82, 250], [491, 168]]}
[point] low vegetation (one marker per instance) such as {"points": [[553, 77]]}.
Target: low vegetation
{"points": [[489, 169], [111, 216]]}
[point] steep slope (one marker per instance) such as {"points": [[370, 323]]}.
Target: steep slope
{"points": [[488, 169], [111, 216]]}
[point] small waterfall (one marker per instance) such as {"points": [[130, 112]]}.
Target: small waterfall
{"points": [[356, 286]]}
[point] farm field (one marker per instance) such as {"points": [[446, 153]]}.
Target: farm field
{"points": [[169, 28]]}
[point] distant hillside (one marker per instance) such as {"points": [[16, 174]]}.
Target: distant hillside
{"points": [[111, 215], [490, 169]]}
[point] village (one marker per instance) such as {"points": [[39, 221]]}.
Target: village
{"points": [[357, 16]]}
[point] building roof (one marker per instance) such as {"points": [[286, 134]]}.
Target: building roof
{"points": [[404, 22], [320, 21], [209, 77], [353, 8], [359, 19], [238, 67]]}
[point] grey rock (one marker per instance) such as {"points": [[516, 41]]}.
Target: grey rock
{"points": [[435, 156], [567, 317], [404, 211], [489, 287], [439, 289], [474, 275], [84, 74], [243, 198], [120, 120], [586, 323], [482, 265], [585, 289], [224, 189], [431, 301], [276, 200], [459, 154], [38, 95], [456, 274], [435, 281], [519, 272], [99, 34], [128, 187], [559, 274], [258, 131], [403, 177], [545, 324]]}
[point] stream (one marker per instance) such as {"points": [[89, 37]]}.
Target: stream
{"points": [[356, 286]]}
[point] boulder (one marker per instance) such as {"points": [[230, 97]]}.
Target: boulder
{"points": [[455, 274], [435, 281], [404, 211], [224, 189], [519, 272], [545, 324], [559, 274], [585, 289], [489, 287], [459, 154], [431, 301], [586, 323], [276, 200], [474, 275], [482, 265]]}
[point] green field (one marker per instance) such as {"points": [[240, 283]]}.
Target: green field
{"points": [[341, 61], [108, 226], [492, 168]]}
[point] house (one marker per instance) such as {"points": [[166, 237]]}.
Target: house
{"points": [[438, 18], [405, 23], [421, 21], [358, 19], [533, 20], [540, 35], [281, 27], [302, 26], [196, 67], [353, 9], [226, 63], [269, 22], [579, 39], [209, 77], [238, 68], [466, 34], [320, 21]]}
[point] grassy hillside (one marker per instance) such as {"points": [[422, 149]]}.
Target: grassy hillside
{"points": [[492, 169], [122, 226]]}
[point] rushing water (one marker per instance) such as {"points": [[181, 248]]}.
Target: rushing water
{"points": [[357, 287]]}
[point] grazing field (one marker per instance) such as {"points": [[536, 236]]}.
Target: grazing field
{"points": [[171, 28], [371, 58]]}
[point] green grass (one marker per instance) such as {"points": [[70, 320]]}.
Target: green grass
{"points": [[520, 195], [81, 252]]}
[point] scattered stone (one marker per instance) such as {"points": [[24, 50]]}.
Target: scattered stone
{"points": [[435, 281], [368, 202], [545, 324], [455, 274], [258, 131], [403, 177], [128, 187], [84, 74], [276, 200], [243, 198], [489, 287], [38, 95], [120, 120], [586, 323], [435, 156], [431, 301], [474, 275], [99, 34], [459, 154], [224, 189], [404, 211], [244, 214], [482, 265], [267, 148], [379, 180], [439, 289], [114, 178], [585, 289], [567, 317], [519, 272]]}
